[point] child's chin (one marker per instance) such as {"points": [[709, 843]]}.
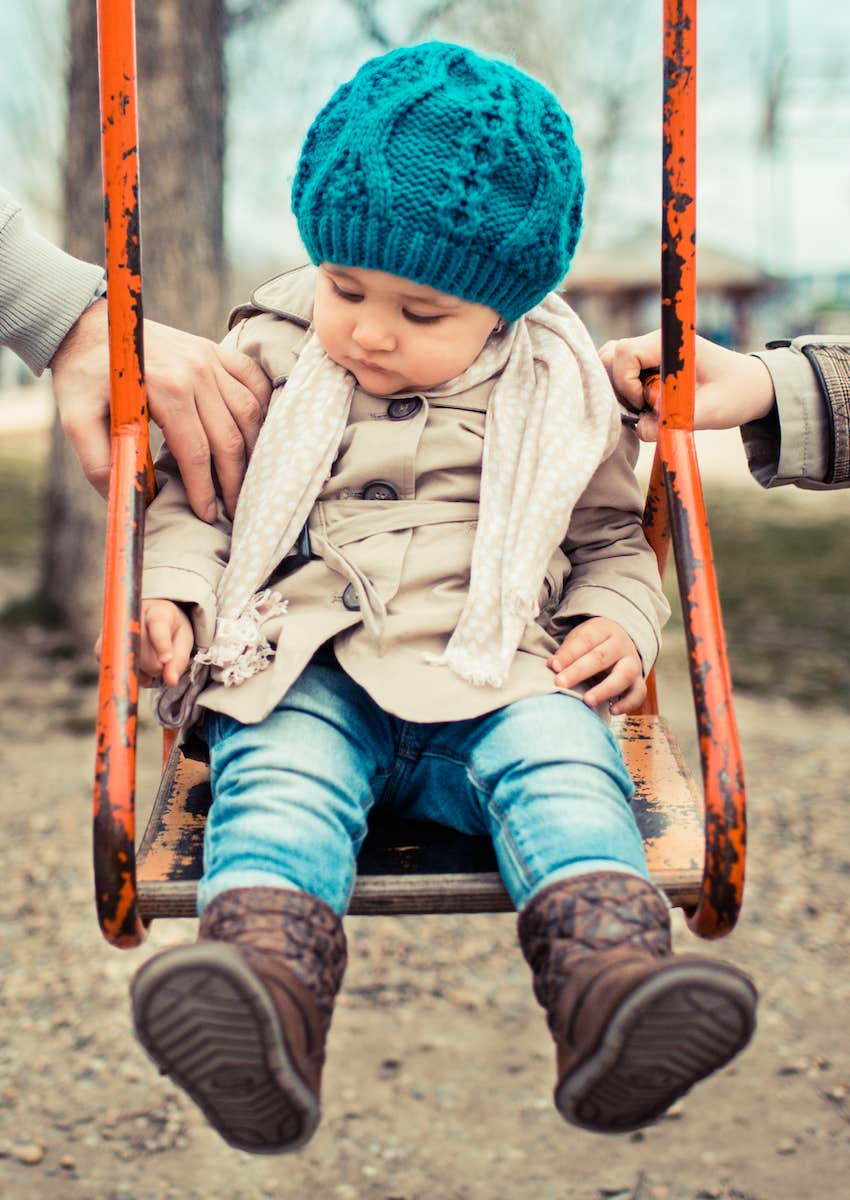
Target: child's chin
{"points": [[380, 383]]}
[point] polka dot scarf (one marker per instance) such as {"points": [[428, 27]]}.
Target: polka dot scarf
{"points": [[552, 418]]}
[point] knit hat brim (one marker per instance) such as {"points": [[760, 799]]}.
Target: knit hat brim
{"points": [[448, 169]]}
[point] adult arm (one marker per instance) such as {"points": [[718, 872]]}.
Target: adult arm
{"points": [[209, 400], [43, 291], [791, 401], [805, 438]]}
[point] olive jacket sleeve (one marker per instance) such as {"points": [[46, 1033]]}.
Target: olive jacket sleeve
{"points": [[805, 439]]}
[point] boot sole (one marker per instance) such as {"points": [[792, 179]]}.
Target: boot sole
{"points": [[679, 1026], [208, 1023]]}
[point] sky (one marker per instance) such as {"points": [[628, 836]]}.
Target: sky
{"points": [[788, 210]]}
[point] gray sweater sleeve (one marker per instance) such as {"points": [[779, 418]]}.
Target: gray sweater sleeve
{"points": [[43, 290]]}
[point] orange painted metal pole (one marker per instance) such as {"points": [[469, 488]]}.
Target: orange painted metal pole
{"points": [[656, 527], [131, 480], [723, 777]]}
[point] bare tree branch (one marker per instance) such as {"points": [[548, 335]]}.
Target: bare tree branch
{"points": [[32, 112], [431, 16], [241, 12], [775, 80], [365, 12]]}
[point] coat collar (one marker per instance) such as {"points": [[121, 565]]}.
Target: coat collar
{"points": [[288, 295]]}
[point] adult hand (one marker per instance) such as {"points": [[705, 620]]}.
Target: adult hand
{"points": [[731, 388], [601, 650], [208, 400]]}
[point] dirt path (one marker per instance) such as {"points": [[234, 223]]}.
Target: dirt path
{"points": [[440, 1071]]}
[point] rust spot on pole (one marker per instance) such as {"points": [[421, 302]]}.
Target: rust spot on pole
{"points": [[115, 771], [725, 819]]}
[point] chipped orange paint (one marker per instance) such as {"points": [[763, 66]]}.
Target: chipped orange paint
{"points": [[676, 834], [668, 809], [130, 481], [725, 806], [169, 740], [656, 527]]}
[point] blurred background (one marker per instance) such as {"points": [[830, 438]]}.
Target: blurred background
{"points": [[228, 89]]}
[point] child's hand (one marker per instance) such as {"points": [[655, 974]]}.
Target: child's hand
{"points": [[601, 647], [167, 642]]}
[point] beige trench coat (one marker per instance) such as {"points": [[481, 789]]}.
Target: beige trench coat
{"points": [[391, 537]]}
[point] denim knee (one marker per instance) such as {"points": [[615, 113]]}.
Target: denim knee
{"points": [[557, 793], [291, 794]]}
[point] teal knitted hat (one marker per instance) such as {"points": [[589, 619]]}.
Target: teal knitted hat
{"points": [[446, 168]]}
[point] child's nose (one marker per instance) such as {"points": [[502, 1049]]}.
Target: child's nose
{"points": [[371, 333]]}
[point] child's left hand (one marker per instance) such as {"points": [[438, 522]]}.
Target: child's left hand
{"points": [[601, 647]]}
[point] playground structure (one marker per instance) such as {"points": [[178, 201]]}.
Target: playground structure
{"points": [[695, 838]]}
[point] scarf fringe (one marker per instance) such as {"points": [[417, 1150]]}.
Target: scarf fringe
{"points": [[489, 670], [239, 650], [482, 669], [467, 667]]}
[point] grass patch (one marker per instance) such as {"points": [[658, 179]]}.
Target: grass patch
{"points": [[36, 609], [784, 577], [22, 475], [21, 507]]}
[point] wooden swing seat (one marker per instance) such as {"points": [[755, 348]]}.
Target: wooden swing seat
{"points": [[418, 867]]}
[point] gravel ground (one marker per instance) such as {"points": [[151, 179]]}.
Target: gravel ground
{"points": [[439, 1076]]}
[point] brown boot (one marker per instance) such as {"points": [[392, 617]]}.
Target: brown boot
{"points": [[635, 1027], [239, 1020]]}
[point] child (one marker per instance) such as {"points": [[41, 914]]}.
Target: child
{"points": [[435, 575]]}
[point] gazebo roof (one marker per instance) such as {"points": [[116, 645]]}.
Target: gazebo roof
{"points": [[634, 264]]}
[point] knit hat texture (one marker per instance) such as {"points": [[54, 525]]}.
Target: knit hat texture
{"points": [[446, 168]]}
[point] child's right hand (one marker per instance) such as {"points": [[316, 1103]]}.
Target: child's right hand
{"points": [[167, 642]]}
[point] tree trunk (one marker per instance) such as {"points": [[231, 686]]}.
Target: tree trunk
{"points": [[181, 104]]}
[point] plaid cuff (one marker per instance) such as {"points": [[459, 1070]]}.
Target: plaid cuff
{"points": [[831, 365]]}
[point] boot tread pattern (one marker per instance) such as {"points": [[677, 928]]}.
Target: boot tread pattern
{"points": [[208, 1023], [678, 1028]]}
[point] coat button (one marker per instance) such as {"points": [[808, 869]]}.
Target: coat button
{"points": [[404, 408], [379, 489], [349, 598]]}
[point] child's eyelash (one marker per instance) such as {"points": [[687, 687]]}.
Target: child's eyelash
{"points": [[420, 320], [352, 296], [355, 298]]}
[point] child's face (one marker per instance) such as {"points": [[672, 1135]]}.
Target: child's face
{"points": [[395, 335]]}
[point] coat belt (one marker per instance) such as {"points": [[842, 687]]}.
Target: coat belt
{"points": [[335, 523]]}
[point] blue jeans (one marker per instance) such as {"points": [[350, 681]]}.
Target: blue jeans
{"points": [[543, 777]]}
